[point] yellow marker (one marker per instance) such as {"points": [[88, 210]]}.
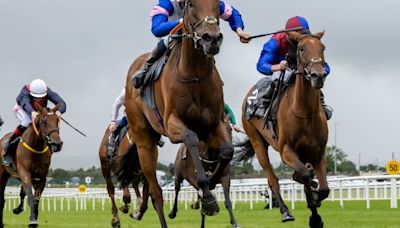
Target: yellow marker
{"points": [[393, 167], [82, 188]]}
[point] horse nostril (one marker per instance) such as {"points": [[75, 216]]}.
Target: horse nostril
{"points": [[220, 37], [206, 37]]}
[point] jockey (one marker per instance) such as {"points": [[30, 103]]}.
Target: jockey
{"points": [[273, 57], [25, 110], [116, 126], [228, 112], [169, 13]]}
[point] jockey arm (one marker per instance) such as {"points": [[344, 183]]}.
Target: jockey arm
{"points": [[56, 99], [228, 111], [118, 102], [267, 57], [161, 26], [24, 100]]}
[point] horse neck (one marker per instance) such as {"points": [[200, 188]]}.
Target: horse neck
{"points": [[306, 98], [32, 139], [193, 63]]}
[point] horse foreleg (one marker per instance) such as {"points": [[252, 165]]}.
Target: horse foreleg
{"points": [[320, 171], [20, 207], [177, 131], [26, 179], [221, 138], [302, 175], [126, 197], [105, 168], [178, 182], [226, 183], [3, 181]]}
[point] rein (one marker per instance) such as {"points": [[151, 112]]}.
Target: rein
{"points": [[37, 132]]}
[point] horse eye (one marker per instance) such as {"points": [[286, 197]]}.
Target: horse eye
{"points": [[301, 49], [190, 4]]}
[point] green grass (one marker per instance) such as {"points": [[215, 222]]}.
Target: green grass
{"points": [[354, 214]]}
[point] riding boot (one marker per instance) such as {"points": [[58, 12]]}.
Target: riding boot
{"points": [[1, 121], [112, 144], [161, 142], [10, 144], [139, 76], [265, 100], [327, 109]]}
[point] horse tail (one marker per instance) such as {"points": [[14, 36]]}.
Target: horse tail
{"points": [[128, 166], [244, 152]]}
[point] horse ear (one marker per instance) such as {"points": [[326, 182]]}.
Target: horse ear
{"points": [[293, 36], [319, 35], [56, 107]]}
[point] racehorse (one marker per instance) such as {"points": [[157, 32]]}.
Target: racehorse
{"points": [[301, 127], [184, 170], [110, 167], [32, 159], [189, 102]]}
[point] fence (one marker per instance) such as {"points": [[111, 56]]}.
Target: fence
{"points": [[382, 187]]}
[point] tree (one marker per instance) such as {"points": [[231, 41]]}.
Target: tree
{"points": [[330, 152]]}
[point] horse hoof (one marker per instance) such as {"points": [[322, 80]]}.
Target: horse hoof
{"points": [[287, 217], [17, 210], [124, 209], [235, 226], [316, 222], [33, 224], [209, 206], [136, 215], [172, 215], [115, 223]]}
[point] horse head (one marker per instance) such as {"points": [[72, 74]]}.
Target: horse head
{"points": [[201, 22], [310, 57], [49, 130]]}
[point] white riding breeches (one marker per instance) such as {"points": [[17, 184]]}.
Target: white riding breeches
{"points": [[23, 118]]}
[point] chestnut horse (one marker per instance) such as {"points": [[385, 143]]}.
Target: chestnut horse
{"points": [[184, 170], [301, 127], [32, 158], [189, 100], [111, 167]]}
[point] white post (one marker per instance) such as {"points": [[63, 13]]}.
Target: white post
{"points": [[55, 203], [292, 196], [69, 203], [93, 203], [44, 200], [341, 194], [367, 192], [48, 204], [270, 198], [251, 198], [62, 203], [102, 203], [233, 198], [393, 193]]}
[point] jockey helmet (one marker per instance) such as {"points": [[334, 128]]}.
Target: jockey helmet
{"points": [[298, 21], [38, 88]]}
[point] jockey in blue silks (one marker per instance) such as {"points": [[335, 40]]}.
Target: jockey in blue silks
{"points": [[273, 57], [166, 15]]}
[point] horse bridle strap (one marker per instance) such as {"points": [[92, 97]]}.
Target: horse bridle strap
{"points": [[33, 150], [194, 36], [208, 161]]}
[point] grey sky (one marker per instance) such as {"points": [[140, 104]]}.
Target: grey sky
{"points": [[83, 49]]}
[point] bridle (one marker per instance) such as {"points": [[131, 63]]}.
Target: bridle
{"points": [[315, 60], [192, 34], [41, 133]]}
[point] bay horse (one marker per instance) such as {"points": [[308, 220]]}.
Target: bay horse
{"points": [[189, 102], [110, 167], [32, 159], [184, 170], [301, 127]]}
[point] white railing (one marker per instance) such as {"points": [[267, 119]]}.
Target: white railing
{"points": [[367, 188]]}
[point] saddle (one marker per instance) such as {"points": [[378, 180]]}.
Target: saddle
{"points": [[260, 100], [118, 140]]}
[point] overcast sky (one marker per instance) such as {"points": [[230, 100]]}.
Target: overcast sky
{"points": [[83, 50]]}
